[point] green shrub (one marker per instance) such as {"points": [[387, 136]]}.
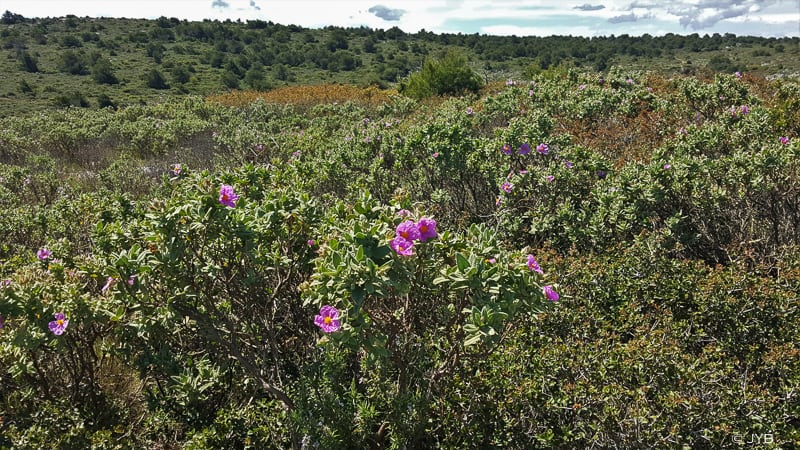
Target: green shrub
{"points": [[447, 75]]}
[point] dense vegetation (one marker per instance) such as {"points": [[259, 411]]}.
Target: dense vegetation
{"points": [[570, 260], [86, 62]]}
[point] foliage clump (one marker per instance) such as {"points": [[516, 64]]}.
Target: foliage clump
{"points": [[447, 75]]}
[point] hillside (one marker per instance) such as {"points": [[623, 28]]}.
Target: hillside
{"points": [[88, 62]]}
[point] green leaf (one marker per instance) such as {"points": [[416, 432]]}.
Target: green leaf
{"points": [[461, 262]]}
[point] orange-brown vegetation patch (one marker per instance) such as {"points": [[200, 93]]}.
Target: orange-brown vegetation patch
{"points": [[309, 95]]}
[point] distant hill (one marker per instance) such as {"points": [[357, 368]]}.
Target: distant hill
{"points": [[90, 62]]}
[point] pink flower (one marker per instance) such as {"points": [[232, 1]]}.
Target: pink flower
{"points": [[550, 178], [582, 87], [131, 280], [745, 110], [569, 164], [498, 201], [59, 325], [310, 242], [524, 149], [435, 154], [427, 229], [227, 196], [401, 246], [506, 187], [784, 140], [408, 230], [404, 213], [543, 149], [506, 149], [44, 254], [492, 260], [176, 169], [550, 294], [530, 92], [667, 166], [737, 74], [328, 319], [469, 110], [533, 265], [110, 281]]}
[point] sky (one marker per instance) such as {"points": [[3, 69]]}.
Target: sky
{"points": [[767, 18]]}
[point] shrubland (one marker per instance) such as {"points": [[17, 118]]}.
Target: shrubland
{"points": [[570, 261]]}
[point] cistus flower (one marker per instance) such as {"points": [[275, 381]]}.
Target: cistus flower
{"points": [[506, 187], [524, 149], [469, 110], [506, 149], [175, 169], [543, 149], [550, 294], [2, 322], [60, 324], [498, 201], [110, 281], [227, 197], [533, 265], [427, 229], [404, 213], [402, 246], [569, 164], [408, 230], [667, 166], [737, 74], [550, 178], [784, 140], [328, 319], [43, 254]]}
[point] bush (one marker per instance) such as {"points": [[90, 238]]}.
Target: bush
{"points": [[448, 75]]}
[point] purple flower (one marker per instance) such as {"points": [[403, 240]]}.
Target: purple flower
{"points": [[506, 149], [582, 87], [43, 254], [328, 319], [543, 149], [60, 324], [492, 260], [523, 172], [601, 174], [569, 164], [784, 140], [310, 242], [667, 166], [737, 74], [550, 178], [530, 92], [227, 197], [404, 213], [408, 230], [131, 280], [498, 201], [435, 154], [550, 293], [510, 82], [745, 110], [629, 81], [175, 169], [524, 149], [469, 110], [2, 322], [5, 283], [427, 229], [110, 281], [402, 246], [213, 134], [533, 265], [506, 187]]}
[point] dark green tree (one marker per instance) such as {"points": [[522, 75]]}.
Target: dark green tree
{"points": [[103, 73], [156, 80], [448, 75]]}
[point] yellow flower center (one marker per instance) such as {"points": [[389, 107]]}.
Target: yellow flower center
{"points": [[404, 234], [327, 320], [423, 229], [60, 322]]}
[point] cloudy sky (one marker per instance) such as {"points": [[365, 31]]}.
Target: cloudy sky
{"points": [[770, 18]]}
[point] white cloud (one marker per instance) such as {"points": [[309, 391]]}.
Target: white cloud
{"points": [[520, 17]]}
